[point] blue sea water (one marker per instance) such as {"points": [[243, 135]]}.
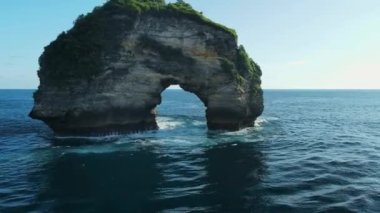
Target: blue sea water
{"points": [[311, 151]]}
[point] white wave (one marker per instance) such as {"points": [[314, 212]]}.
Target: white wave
{"points": [[260, 122], [167, 123], [199, 123], [240, 132], [264, 120]]}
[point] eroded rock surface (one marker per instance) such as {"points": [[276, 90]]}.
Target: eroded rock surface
{"points": [[108, 72]]}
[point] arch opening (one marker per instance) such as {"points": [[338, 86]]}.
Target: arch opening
{"points": [[180, 108]]}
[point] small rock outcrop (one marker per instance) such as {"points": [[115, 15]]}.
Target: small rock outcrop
{"points": [[107, 73]]}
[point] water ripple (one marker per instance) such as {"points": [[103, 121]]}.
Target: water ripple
{"points": [[311, 151]]}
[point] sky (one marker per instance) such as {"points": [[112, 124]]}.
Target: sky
{"points": [[299, 44]]}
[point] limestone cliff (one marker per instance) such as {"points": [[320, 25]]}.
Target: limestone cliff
{"points": [[107, 73]]}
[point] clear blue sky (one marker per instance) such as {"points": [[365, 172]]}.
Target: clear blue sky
{"points": [[298, 43]]}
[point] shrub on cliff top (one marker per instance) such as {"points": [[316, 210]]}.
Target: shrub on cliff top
{"points": [[177, 9], [182, 8], [140, 5], [245, 63], [78, 53]]}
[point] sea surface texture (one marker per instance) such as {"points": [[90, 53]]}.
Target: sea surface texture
{"points": [[311, 151]]}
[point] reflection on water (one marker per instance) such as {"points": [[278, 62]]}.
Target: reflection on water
{"points": [[117, 181], [149, 178], [235, 171]]}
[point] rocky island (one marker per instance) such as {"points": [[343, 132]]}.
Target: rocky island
{"points": [[107, 73]]}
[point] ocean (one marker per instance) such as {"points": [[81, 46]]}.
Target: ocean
{"points": [[311, 151]]}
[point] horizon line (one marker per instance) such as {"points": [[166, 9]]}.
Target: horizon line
{"points": [[262, 89]]}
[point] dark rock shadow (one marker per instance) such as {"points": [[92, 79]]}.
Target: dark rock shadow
{"points": [[130, 181], [105, 182], [235, 173], [232, 180]]}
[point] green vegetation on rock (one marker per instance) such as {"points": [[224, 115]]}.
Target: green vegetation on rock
{"points": [[230, 68], [140, 5], [243, 69], [186, 9], [245, 63], [78, 53], [178, 9]]}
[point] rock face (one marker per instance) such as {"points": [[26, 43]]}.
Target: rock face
{"points": [[107, 73]]}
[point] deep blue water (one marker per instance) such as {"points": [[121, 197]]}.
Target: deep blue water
{"points": [[311, 151]]}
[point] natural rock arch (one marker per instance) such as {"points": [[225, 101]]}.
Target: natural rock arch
{"points": [[107, 73]]}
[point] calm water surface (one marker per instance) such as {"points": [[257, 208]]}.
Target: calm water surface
{"points": [[311, 151]]}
